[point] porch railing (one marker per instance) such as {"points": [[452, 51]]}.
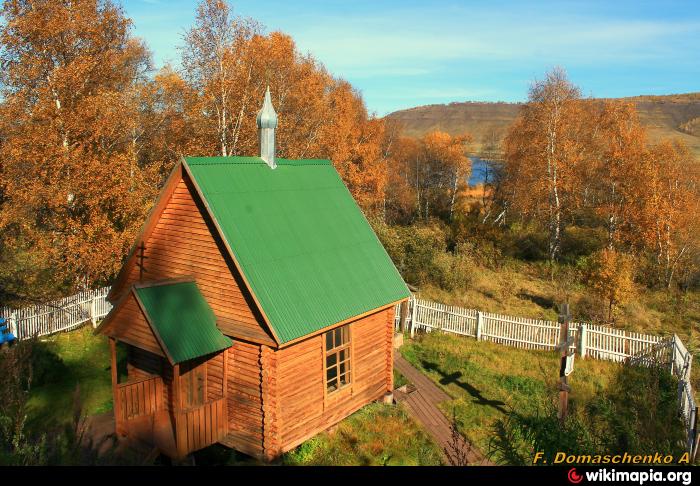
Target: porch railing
{"points": [[201, 426], [142, 397]]}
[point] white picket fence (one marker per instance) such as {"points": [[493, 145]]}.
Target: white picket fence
{"points": [[599, 342], [61, 315]]}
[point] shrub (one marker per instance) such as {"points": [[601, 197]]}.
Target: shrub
{"points": [[531, 246], [518, 436], [590, 308], [451, 272], [392, 239], [579, 241], [610, 275]]}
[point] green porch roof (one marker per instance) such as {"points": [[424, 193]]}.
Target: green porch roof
{"points": [[182, 320], [305, 248]]}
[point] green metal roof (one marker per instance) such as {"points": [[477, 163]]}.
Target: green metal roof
{"points": [[182, 319], [305, 248]]}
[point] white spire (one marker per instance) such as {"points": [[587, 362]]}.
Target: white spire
{"points": [[267, 123]]}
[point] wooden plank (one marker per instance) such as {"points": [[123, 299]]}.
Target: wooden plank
{"points": [[422, 405], [116, 394]]}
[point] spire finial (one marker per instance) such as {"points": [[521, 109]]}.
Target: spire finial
{"points": [[267, 123]]}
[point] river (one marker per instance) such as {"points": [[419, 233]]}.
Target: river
{"points": [[481, 169]]}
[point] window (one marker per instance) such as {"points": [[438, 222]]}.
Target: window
{"points": [[337, 358]]}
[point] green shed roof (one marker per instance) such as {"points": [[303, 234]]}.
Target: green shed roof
{"points": [[182, 320], [305, 248]]}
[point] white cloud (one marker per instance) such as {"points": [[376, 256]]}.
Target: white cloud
{"points": [[370, 43]]}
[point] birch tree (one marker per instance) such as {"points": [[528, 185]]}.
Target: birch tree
{"points": [[69, 170], [611, 179], [215, 63], [542, 149], [666, 213]]}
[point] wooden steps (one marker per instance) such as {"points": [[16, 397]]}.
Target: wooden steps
{"points": [[422, 404]]}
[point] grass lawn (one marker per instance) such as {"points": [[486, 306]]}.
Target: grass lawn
{"points": [[487, 380], [85, 362], [376, 435], [399, 379]]}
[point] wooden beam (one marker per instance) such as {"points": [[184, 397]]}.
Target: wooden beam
{"points": [[118, 423], [390, 343], [224, 385], [205, 398], [180, 437]]}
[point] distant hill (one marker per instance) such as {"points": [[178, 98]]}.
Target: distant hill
{"points": [[676, 115]]}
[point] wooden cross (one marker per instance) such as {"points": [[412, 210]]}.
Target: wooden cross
{"points": [[141, 258], [564, 388]]}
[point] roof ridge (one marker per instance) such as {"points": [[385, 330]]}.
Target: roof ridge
{"points": [[247, 160]]}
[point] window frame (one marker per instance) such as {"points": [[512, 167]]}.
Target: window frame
{"points": [[335, 351]]}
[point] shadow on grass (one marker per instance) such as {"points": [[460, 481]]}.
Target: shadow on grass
{"points": [[454, 378], [63, 363], [543, 302]]}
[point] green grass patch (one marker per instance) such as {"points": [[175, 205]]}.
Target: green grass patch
{"points": [[82, 359], [399, 379], [489, 382], [376, 435]]}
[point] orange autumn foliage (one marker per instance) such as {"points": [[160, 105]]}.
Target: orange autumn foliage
{"points": [[87, 137], [666, 210], [610, 275], [427, 175], [567, 158], [319, 116], [543, 151], [71, 180]]}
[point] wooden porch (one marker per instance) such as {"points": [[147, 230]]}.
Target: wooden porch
{"points": [[143, 412]]}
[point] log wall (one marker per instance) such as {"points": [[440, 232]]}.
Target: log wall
{"points": [[301, 404], [245, 400]]}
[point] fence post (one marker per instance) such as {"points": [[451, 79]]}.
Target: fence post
{"points": [[692, 429], [479, 323], [696, 439], [12, 321], [403, 315], [582, 340], [673, 352], [414, 313], [93, 312]]}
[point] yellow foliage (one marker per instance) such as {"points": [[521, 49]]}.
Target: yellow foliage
{"points": [[611, 275]]}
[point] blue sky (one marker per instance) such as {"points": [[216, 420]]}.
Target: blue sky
{"points": [[406, 53]]}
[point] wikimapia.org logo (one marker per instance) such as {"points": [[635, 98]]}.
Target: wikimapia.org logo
{"points": [[638, 477]]}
